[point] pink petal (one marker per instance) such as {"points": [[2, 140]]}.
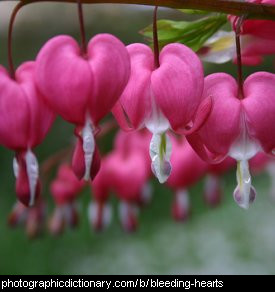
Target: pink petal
{"points": [[187, 167], [41, 116], [14, 113], [178, 84], [101, 185], [200, 118], [223, 124], [128, 174], [220, 168], [259, 89], [65, 78], [110, 65], [136, 98]]}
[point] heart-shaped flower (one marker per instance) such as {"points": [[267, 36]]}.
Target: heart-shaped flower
{"points": [[25, 119], [83, 88], [167, 97], [238, 127]]}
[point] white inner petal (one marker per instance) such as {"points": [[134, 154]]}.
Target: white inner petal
{"points": [[244, 147], [156, 123], [15, 167], [93, 213], [244, 184], [33, 174], [160, 153], [125, 211], [88, 147]]}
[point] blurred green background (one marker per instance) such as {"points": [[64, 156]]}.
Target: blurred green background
{"points": [[224, 240]]}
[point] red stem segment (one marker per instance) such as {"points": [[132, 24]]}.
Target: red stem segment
{"points": [[11, 24], [82, 27], [155, 37], [239, 55]]}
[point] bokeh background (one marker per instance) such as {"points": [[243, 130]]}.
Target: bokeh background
{"points": [[224, 240]]}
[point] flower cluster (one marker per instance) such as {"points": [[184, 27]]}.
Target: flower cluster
{"points": [[179, 122]]}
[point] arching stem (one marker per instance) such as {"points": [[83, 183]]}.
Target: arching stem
{"points": [[11, 24]]}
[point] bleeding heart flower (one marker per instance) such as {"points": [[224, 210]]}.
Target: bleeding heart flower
{"points": [[162, 98], [221, 48], [257, 40], [188, 168], [126, 142], [100, 212], [64, 189], [25, 120], [83, 88], [128, 187], [32, 218], [264, 29], [238, 127], [125, 171]]}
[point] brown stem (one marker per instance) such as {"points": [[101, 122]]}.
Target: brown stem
{"points": [[155, 38], [82, 27], [11, 24], [253, 10], [239, 55]]}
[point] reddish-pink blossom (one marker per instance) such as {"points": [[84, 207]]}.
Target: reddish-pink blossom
{"points": [[83, 88], [25, 120]]}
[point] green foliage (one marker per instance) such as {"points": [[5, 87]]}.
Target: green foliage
{"points": [[191, 33], [194, 11]]}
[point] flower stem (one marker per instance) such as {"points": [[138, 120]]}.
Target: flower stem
{"points": [[11, 24], [239, 56], [155, 38], [82, 27]]}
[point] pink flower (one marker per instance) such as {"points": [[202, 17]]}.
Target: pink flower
{"points": [[100, 212], [25, 120], [127, 142], [238, 127], [125, 171], [32, 219], [264, 29], [188, 168], [257, 41], [83, 88], [161, 98], [64, 189], [258, 37]]}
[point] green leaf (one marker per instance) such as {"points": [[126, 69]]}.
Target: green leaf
{"points": [[191, 33], [194, 11]]}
